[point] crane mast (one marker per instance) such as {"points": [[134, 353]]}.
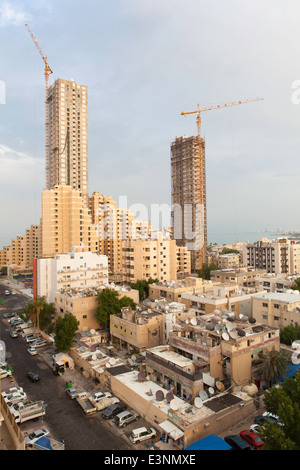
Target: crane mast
{"points": [[47, 71]]}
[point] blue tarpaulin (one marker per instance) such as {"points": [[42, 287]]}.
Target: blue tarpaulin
{"points": [[290, 371], [43, 442], [210, 442]]}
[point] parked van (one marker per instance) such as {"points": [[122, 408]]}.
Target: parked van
{"points": [[236, 442], [141, 434], [126, 417]]}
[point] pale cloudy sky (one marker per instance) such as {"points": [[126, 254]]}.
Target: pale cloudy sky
{"points": [[145, 61]]}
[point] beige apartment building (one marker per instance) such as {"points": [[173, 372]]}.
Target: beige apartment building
{"points": [[189, 197], [137, 330], [243, 276], [23, 249], [66, 222], [149, 258], [172, 291], [275, 256], [228, 297], [83, 304], [184, 267], [67, 160], [277, 309]]}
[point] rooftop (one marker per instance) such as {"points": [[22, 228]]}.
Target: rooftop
{"points": [[288, 297]]}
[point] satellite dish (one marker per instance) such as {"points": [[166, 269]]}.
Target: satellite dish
{"points": [[225, 336], [233, 335], [241, 332], [211, 390], [94, 357], [202, 324], [296, 344], [159, 396], [193, 321], [93, 331], [133, 358], [112, 361], [203, 395], [169, 397], [218, 328], [198, 402], [174, 405], [229, 327], [252, 320], [210, 327]]}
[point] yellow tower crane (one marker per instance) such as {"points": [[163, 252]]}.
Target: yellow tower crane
{"points": [[202, 256], [47, 71], [218, 106]]}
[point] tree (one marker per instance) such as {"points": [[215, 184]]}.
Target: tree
{"points": [[65, 330], [143, 287], [33, 311], [204, 272], [296, 286], [226, 251], [111, 304], [284, 402], [273, 365], [290, 333]]}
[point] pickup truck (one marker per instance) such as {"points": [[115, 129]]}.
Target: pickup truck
{"points": [[84, 400], [25, 412]]}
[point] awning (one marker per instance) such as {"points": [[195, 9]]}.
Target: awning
{"points": [[171, 430]]}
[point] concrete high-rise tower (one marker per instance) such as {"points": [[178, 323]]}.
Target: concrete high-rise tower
{"points": [[189, 197], [67, 162]]}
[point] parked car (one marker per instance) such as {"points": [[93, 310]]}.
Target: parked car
{"points": [[32, 351], [99, 395], [252, 439], [4, 372], [13, 334], [39, 343], [35, 435], [141, 434], [13, 292], [270, 415], [113, 410], [6, 292], [126, 417], [15, 398], [34, 377], [12, 390], [236, 442], [72, 393], [8, 315], [261, 420]]}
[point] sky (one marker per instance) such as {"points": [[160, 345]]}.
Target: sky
{"points": [[145, 62]]}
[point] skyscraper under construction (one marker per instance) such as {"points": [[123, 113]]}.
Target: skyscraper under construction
{"points": [[67, 152], [189, 196]]}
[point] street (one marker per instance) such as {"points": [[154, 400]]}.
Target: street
{"points": [[64, 418]]}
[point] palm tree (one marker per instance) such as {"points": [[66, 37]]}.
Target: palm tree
{"points": [[33, 309], [273, 365]]}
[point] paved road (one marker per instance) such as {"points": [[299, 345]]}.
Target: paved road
{"points": [[64, 417]]}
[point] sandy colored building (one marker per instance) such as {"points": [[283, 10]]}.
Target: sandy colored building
{"points": [[243, 276], [113, 226], [277, 309], [275, 256], [23, 249], [67, 157], [139, 329], [189, 197], [227, 297], [228, 261], [275, 282], [83, 304], [184, 267], [149, 258], [222, 349], [79, 269], [66, 222], [172, 291]]}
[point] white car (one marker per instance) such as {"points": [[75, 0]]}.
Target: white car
{"points": [[12, 390], [13, 292], [32, 351], [35, 435], [141, 434], [15, 398], [4, 373]]}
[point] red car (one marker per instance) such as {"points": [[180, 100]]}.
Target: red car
{"points": [[252, 439]]}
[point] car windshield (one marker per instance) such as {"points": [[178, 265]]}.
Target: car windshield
{"points": [[257, 440]]}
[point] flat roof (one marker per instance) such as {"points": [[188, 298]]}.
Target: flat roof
{"points": [[280, 297], [166, 353]]}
